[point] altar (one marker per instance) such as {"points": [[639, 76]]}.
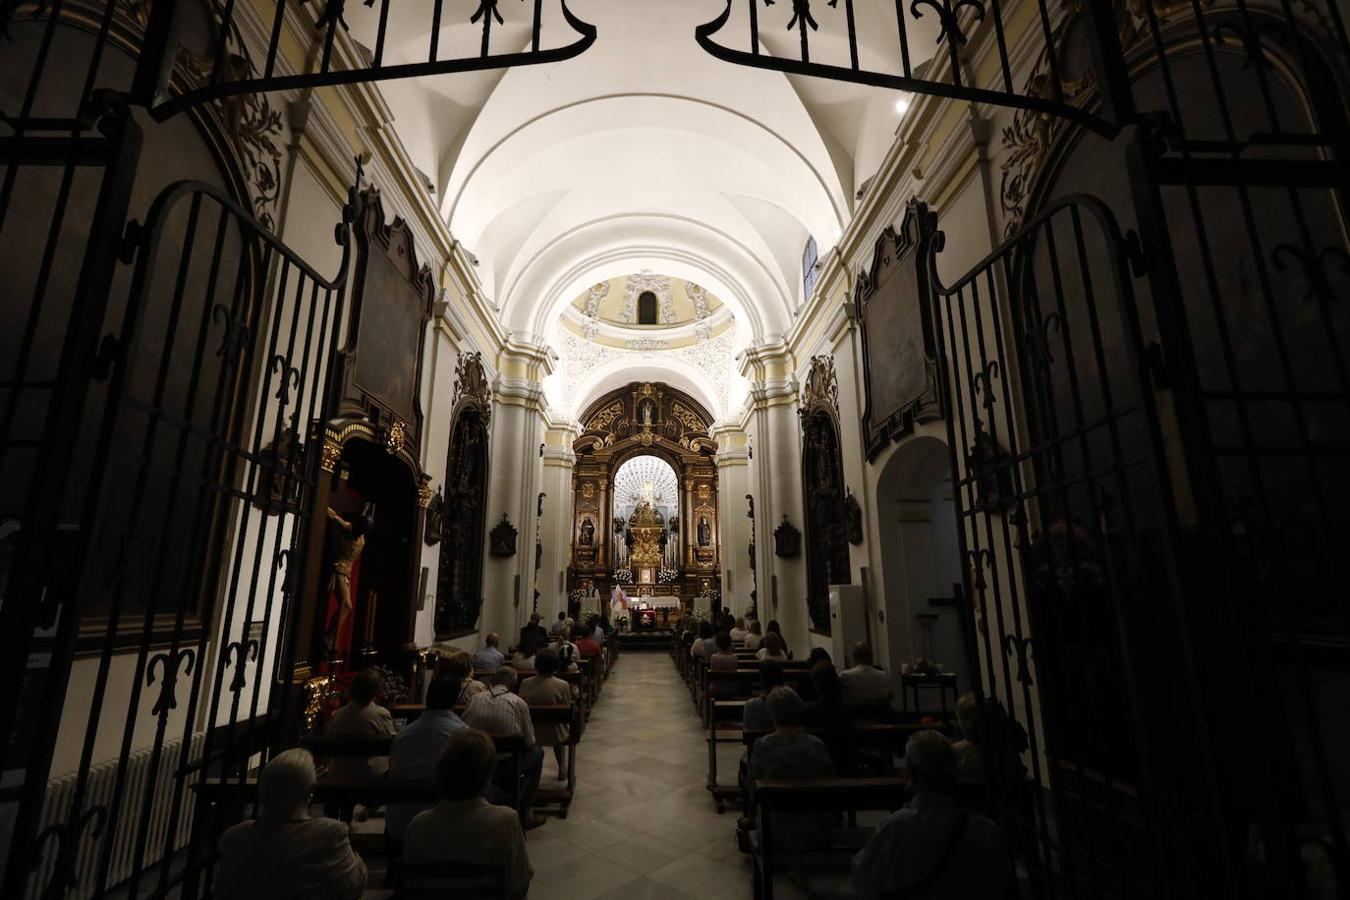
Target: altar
{"points": [[647, 612]]}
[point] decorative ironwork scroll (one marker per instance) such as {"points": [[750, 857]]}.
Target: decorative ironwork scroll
{"points": [[930, 60], [342, 60]]}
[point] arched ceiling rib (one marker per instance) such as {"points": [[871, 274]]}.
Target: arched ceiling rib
{"points": [[644, 152]]}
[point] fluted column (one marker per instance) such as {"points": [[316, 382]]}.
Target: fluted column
{"points": [[555, 528], [777, 474], [733, 483], [514, 475]]}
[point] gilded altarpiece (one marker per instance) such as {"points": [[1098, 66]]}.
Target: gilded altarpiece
{"points": [[645, 419]]}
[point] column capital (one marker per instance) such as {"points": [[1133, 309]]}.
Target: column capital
{"points": [[516, 391], [732, 445], [521, 358], [778, 391], [767, 359]]}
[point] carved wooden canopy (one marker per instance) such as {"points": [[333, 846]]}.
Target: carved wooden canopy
{"points": [[380, 367], [821, 391], [472, 390], [653, 414], [899, 350]]}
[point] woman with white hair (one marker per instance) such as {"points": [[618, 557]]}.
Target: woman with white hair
{"points": [[283, 854]]}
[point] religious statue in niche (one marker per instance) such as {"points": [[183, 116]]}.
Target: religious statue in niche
{"points": [[351, 541], [704, 532], [587, 532], [647, 417]]}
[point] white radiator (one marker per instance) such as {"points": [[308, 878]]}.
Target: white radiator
{"points": [[102, 778]]}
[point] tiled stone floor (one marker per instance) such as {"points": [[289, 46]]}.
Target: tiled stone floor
{"points": [[642, 824]]}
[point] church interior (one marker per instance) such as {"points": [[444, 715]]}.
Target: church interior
{"points": [[962, 386]]}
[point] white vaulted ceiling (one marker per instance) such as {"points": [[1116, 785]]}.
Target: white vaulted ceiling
{"points": [[642, 153]]}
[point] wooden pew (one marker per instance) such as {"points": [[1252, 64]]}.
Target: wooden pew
{"points": [[722, 718], [889, 738], [325, 748], [572, 717], [433, 881], [541, 716], [724, 715], [849, 795], [219, 803]]}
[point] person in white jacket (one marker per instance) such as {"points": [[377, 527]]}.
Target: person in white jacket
{"points": [[284, 854]]}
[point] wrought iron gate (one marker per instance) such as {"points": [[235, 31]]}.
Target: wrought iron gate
{"points": [[159, 384], [190, 520], [1066, 522]]}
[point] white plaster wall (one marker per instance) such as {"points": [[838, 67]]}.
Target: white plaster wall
{"points": [[733, 483], [514, 474], [779, 454], [437, 409], [555, 532]]}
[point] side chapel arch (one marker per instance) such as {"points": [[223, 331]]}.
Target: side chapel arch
{"points": [[369, 435]]}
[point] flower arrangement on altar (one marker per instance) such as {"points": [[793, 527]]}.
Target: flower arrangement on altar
{"points": [[714, 597], [576, 596], [623, 576], [700, 615], [666, 576]]}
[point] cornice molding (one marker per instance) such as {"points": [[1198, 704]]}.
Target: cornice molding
{"points": [[562, 457], [515, 391], [767, 393], [525, 359], [757, 360]]}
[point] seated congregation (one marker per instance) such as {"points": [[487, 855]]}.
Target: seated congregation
{"points": [[823, 745], [456, 781]]}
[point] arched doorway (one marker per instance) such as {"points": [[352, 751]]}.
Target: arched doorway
{"points": [[921, 558], [646, 516]]}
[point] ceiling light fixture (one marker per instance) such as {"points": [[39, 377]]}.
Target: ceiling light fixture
{"points": [[902, 104]]}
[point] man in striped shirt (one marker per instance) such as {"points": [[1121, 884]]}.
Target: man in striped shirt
{"points": [[501, 713]]}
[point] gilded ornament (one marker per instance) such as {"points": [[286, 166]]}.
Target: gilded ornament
{"points": [[397, 437], [316, 694], [332, 453]]}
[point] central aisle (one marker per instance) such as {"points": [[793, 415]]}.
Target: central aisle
{"points": [[642, 824]]}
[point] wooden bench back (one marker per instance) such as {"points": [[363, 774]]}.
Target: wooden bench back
{"points": [[340, 747], [832, 793], [449, 879], [542, 714]]}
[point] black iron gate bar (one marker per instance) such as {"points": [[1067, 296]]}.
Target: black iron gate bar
{"points": [[223, 79], [956, 21], [37, 594], [1018, 357], [1240, 176], [226, 471]]}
